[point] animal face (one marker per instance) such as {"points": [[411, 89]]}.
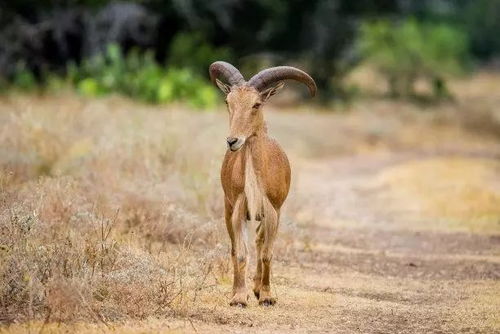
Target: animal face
{"points": [[244, 104], [245, 115]]}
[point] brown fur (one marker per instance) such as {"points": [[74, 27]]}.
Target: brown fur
{"points": [[256, 180]]}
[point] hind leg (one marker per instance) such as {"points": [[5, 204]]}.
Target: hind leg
{"points": [[257, 279], [270, 226], [239, 252]]}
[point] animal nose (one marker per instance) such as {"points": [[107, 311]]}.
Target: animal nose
{"points": [[231, 141]]}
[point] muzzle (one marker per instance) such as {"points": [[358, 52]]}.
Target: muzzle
{"points": [[235, 143]]}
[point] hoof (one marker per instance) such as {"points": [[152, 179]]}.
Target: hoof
{"points": [[256, 293], [267, 301], [239, 301], [238, 304]]}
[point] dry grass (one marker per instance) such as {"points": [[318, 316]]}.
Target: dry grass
{"points": [[110, 213], [99, 212]]}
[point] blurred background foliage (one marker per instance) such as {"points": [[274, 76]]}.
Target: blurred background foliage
{"points": [[159, 51], [412, 50]]}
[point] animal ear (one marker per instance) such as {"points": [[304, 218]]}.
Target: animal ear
{"points": [[223, 87], [268, 92]]}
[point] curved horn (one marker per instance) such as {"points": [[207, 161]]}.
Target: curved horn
{"points": [[265, 78], [226, 71]]}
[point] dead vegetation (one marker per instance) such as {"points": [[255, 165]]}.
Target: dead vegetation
{"points": [[97, 223], [111, 218]]}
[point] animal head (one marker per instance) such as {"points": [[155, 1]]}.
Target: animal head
{"points": [[245, 99]]}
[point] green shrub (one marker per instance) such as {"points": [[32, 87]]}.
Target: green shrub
{"points": [[414, 50], [139, 76]]}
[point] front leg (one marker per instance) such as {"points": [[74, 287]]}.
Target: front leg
{"points": [[239, 252]]}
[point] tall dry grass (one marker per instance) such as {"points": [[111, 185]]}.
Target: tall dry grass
{"points": [[101, 207]]}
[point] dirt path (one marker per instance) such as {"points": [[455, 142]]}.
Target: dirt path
{"points": [[360, 266], [363, 267]]}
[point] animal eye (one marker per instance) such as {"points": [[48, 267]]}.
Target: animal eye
{"points": [[256, 106]]}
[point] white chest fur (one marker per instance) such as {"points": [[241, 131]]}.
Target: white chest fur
{"points": [[253, 192]]}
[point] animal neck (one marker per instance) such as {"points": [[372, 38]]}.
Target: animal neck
{"points": [[255, 145]]}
